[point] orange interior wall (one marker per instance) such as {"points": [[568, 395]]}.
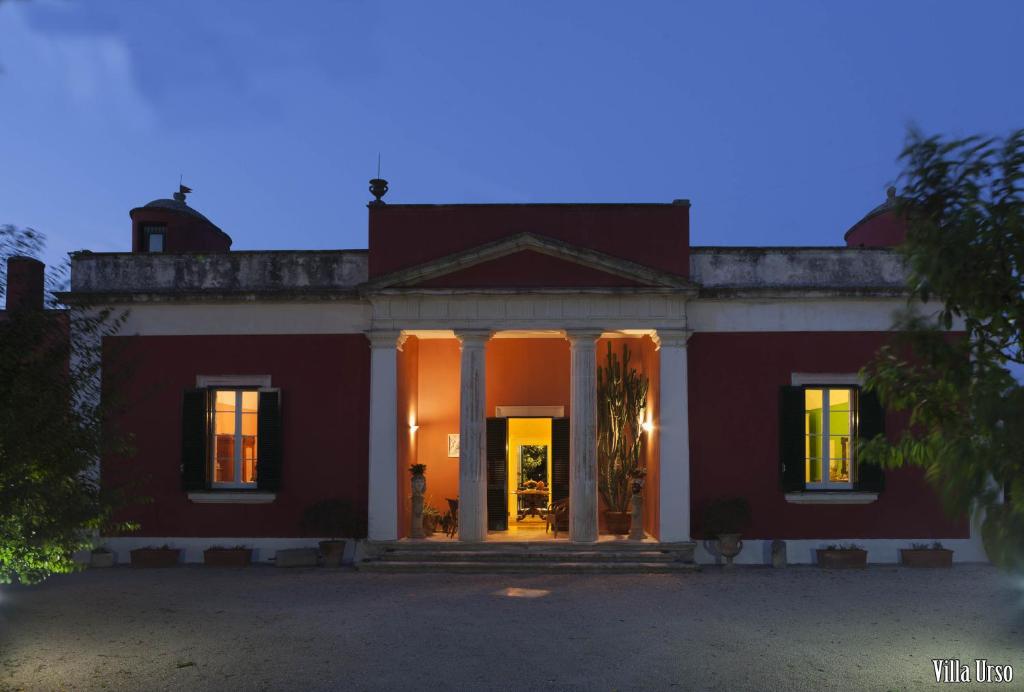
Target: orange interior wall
{"points": [[651, 366], [527, 372], [408, 398], [438, 415]]}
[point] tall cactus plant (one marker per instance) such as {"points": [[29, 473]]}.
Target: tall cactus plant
{"points": [[621, 401]]}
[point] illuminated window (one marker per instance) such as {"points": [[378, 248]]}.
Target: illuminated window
{"points": [[234, 445], [820, 426], [829, 425]]}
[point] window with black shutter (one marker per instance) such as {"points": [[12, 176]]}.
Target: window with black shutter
{"points": [[231, 439], [819, 426]]}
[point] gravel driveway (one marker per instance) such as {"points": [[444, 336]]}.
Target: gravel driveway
{"points": [[266, 628]]}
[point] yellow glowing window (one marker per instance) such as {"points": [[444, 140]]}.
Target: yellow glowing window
{"points": [[235, 420], [828, 446]]}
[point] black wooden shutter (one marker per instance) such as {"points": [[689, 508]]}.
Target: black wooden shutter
{"points": [[559, 459], [497, 474], [195, 439], [792, 464], [268, 441], [871, 423]]}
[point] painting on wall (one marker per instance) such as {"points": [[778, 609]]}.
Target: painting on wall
{"points": [[453, 444]]}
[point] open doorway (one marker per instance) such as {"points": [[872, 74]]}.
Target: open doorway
{"points": [[527, 471]]}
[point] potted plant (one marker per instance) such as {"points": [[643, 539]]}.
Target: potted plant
{"points": [[431, 518], [842, 557], [155, 556], [101, 557], [724, 520], [337, 519], [621, 402], [235, 556], [924, 555]]}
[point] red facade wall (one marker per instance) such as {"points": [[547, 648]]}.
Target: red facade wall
{"points": [[882, 230], [734, 439], [324, 383], [410, 234]]}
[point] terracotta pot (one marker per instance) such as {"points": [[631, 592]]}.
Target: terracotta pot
{"points": [[227, 557], [155, 557], [842, 559], [332, 552], [617, 522], [914, 557]]}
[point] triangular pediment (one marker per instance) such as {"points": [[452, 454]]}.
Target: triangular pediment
{"points": [[527, 260]]}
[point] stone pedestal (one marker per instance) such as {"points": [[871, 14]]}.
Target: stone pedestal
{"points": [[636, 524], [419, 485]]}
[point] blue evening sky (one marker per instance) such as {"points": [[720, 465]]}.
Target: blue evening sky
{"points": [[781, 121]]}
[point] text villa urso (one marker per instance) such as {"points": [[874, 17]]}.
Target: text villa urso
{"points": [[952, 670]]}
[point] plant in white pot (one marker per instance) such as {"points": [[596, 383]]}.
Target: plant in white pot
{"points": [[338, 519], [724, 520]]}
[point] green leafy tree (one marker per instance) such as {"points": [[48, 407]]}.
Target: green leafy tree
{"points": [[962, 202], [51, 432]]}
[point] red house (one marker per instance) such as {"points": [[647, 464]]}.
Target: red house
{"points": [[467, 338]]}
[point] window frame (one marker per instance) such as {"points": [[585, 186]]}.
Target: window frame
{"points": [[238, 384], [149, 231], [825, 382], [238, 462], [826, 447]]}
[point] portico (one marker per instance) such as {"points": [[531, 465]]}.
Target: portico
{"points": [[389, 422]]}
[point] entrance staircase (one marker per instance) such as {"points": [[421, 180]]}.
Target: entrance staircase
{"points": [[534, 557]]}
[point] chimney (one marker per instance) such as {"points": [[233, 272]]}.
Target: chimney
{"points": [[24, 283]]}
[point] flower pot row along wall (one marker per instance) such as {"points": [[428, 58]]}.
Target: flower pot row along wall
{"points": [[842, 558]]}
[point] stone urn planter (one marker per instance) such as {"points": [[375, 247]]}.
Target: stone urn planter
{"points": [[926, 557], [237, 556], [332, 552], [155, 557], [724, 520], [101, 558], [842, 558], [729, 546]]}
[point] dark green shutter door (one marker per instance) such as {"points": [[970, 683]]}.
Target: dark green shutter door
{"points": [[268, 441], [791, 438], [195, 439], [871, 417], [559, 459], [497, 474]]}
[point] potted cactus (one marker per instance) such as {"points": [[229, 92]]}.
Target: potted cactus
{"points": [[621, 404]]}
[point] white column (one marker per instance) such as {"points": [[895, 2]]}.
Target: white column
{"points": [[382, 508], [583, 436], [472, 436], [674, 428]]}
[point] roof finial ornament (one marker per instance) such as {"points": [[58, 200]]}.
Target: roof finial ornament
{"points": [[378, 187], [890, 194], [183, 190]]}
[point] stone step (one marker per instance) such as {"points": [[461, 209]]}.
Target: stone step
{"points": [[526, 567], [399, 555], [532, 546]]}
